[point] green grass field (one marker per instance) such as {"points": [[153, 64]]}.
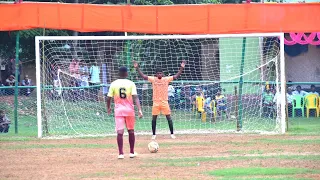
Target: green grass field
{"points": [[90, 118], [27, 125], [294, 155]]}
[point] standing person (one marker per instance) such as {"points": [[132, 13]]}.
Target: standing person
{"points": [[94, 73], [208, 107], [160, 86], [74, 67], [12, 68], [124, 91], [200, 103], [171, 92], [267, 102]]}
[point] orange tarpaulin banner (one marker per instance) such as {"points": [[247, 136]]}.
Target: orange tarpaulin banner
{"points": [[178, 19]]}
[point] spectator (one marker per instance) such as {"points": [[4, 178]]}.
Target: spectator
{"points": [[84, 80], [182, 98], [277, 100], [208, 107], [95, 79], [12, 68], [313, 90], [84, 70], [10, 81], [188, 97], [267, 102], [26, 82], [289, 95], [74, 68], [56, 90], [289, 100], [94, 74], [177, 98], [300, 92], [171, 92], [200, 103], [4, 122], [221, 104]]}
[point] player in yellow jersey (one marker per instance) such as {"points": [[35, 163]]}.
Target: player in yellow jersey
{"points": [[123, 92], [200, 103]]}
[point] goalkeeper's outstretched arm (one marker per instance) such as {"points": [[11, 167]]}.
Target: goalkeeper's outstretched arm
{"points": [[180, 70], [136, 65]]}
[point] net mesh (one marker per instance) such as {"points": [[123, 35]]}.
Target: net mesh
{"points": [[75, 75]]}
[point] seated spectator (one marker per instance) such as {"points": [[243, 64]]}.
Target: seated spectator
{"points": [[10, 81], [267, 102], [313, 90], [4, 122], [26, 82], [300, 92], [221, 104]]}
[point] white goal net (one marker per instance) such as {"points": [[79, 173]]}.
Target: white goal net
{"points": [[74, 74]]}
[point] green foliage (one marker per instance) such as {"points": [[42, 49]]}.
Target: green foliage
{"points": [[27, 45]]}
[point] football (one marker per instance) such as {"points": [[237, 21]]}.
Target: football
{"points": [[153, 147]]}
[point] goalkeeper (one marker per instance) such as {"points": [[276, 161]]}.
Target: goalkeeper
{"points": [[160, 86]]}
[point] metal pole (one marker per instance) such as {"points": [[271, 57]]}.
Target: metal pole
{"points": [[16, 84], [283, 85], [239, 124], [128, 44]]}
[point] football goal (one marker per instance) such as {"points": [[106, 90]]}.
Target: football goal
{"points": [[232, 83]]}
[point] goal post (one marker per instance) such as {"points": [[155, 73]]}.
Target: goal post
{"points": [[70, 82], [283, 85]]}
